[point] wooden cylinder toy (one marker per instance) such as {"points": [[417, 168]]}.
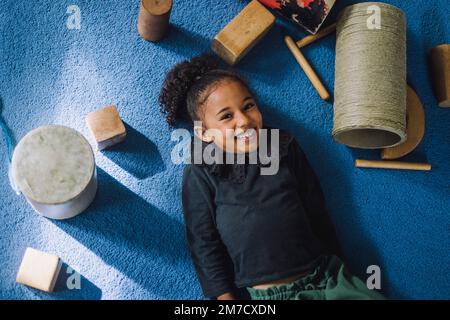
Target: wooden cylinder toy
{"points": [[440, 70], [153, 21], [54, 167]]}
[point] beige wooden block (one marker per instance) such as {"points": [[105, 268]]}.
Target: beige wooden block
{"points": [[39, 270], [240, 35], [106, 126]]}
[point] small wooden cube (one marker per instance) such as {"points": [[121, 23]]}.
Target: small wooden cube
{"points": [[106, 127], [243, 32], [39, 270]]}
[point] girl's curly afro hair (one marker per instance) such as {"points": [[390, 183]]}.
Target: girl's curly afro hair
{"points": [[186, 84]]}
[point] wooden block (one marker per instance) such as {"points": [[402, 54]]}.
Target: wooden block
{"points": [[243, 32], [106, 127], [39, 270], [440, 70]]}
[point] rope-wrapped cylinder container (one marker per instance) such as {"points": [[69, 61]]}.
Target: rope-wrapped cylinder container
{"points": [[370, 77]]}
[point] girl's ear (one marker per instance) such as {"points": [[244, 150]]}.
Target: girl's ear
{"points": [[201, 133]]}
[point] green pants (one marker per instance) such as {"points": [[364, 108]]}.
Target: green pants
{"points": [[329, 280]]}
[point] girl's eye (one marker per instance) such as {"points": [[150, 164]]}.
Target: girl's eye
{"points": [[249, 106], [226, 116]]}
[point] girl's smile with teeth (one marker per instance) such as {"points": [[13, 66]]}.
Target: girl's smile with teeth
{"points": [[247, 135]]}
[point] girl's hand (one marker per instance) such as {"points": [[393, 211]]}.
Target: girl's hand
{"points": [[226, 296]]}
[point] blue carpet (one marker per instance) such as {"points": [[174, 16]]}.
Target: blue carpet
{"points": [[130, 243]]}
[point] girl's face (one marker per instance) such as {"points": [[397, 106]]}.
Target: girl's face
{"points": [[231, 118]]}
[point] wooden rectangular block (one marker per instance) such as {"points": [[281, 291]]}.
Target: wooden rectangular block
{"points": [[243, 32], [39, 270], [106, 126]]}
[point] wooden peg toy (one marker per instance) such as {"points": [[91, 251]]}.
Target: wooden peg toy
{"points": [[304, 64], [153, 21], [234, 41], [39, 270], [440, 70], [106, 127]]}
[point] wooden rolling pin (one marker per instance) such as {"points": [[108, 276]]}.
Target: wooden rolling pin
{"points": [[380, 164], [307, 68], [314, 37]]}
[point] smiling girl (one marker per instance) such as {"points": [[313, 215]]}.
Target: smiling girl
{"points": [[268, 234]]}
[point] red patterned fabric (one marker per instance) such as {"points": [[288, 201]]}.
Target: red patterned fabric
{"points": [[309, 14]]}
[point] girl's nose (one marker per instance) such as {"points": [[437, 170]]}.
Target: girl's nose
{"points": [[242, 120]]}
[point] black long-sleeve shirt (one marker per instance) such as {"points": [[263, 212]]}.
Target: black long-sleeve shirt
{"points": [[244, 228]]}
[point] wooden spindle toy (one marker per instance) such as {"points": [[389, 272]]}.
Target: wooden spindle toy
{"points": [[304, 64], [400, 165]]}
